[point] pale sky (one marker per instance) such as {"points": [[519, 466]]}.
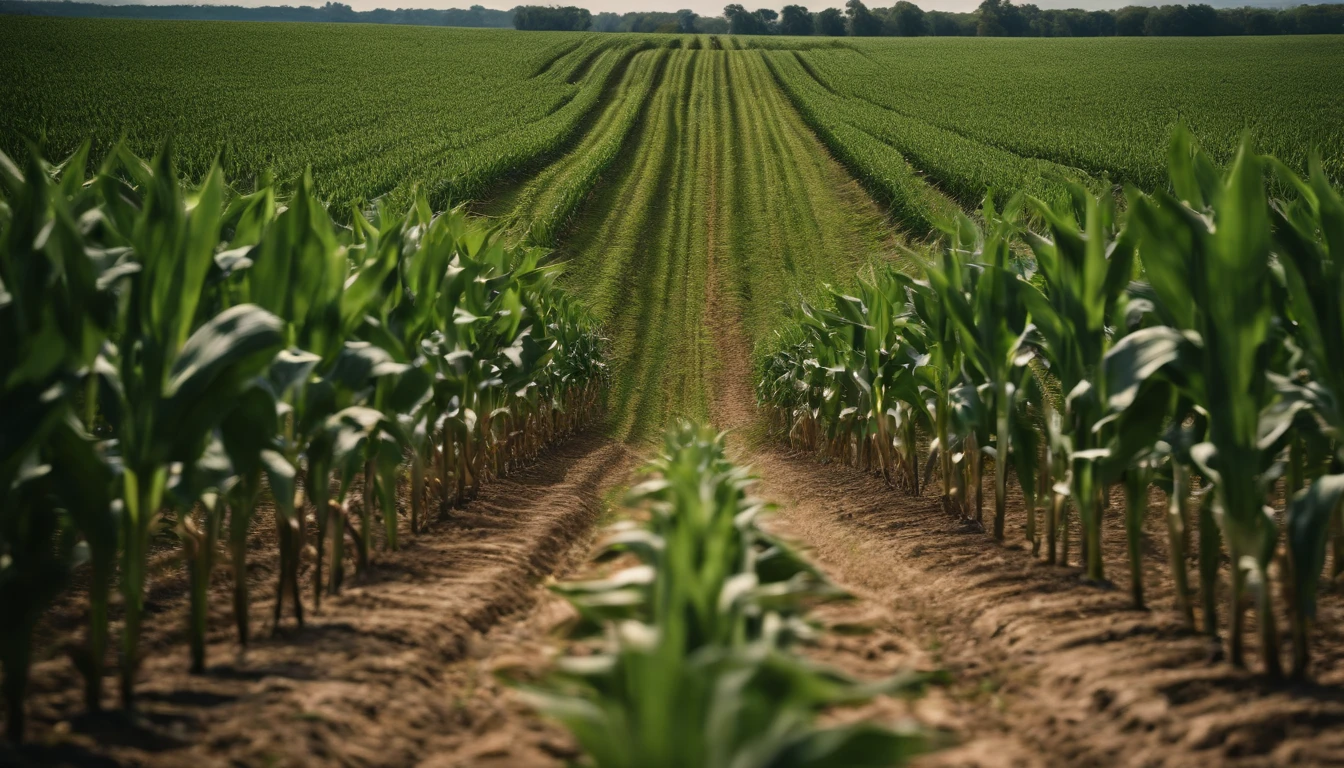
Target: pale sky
{"points": [[702, 7], [715, 7]]}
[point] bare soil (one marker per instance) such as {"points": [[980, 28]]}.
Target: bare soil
{"points": [[1048, 669], [388, 674]]}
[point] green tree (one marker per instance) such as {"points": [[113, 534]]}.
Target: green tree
{"points": [[989, 24], [536, 17], [862, 22], [907, 20], [743, 22], [768, 18], [795, 20], [831, 23], [1129, 21]]}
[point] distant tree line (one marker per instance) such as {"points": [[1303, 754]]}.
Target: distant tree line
{"points": [[994, 18], [683, 21], [563, 19], [1001, 18], [475, 16]]}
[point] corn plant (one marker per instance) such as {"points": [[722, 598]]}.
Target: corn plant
{"points": [[853, 373], [1193, 343], [992, 330], [296, 270], [1206, 250], [1309, 238], [941, 375], [56, 307], [200, 492], [181, 352], [173, 382], [704, 560], [1085, 263], [696, 669]]}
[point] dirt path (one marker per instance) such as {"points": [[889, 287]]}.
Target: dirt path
{"points": [[384, 675]]}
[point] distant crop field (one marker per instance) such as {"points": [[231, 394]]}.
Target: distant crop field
{"points": [[371, 110], [574, 141], [1103, 107]]}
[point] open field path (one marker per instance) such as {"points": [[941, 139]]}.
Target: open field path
{"points": [[719, 175], [382, 676]]}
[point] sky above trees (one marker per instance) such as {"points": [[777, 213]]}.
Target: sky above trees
{"points": [[709, 7]]}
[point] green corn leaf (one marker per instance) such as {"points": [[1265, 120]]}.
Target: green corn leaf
{"points": [[217, 363], [1309, 515]]}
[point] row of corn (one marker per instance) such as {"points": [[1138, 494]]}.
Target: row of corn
{"points": [[695, 663], [1190, 340], [175, 355]]}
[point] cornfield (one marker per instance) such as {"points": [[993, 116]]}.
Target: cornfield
{"points": [[1098, 108], [369, 125], [375, 278], [1190, 342], [176, 352]]}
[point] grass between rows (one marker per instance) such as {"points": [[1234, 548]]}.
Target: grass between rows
{"points": [[718, 172], [538, 210]]}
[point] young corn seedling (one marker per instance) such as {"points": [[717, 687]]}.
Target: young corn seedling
{"points": [[696, 669], [1206, 250], [1085, 261], [1309, 239]]}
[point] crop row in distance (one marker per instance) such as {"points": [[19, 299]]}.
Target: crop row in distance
{"points": [[652, 264], [719, 194], [913, 202], [795, 219], [364, 108], [540, 206], [1101, 107]]}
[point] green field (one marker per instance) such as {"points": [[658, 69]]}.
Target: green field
{"points": [[374, 109], [665, 169], [361, 281], [1103, 107], [370, 110]]}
